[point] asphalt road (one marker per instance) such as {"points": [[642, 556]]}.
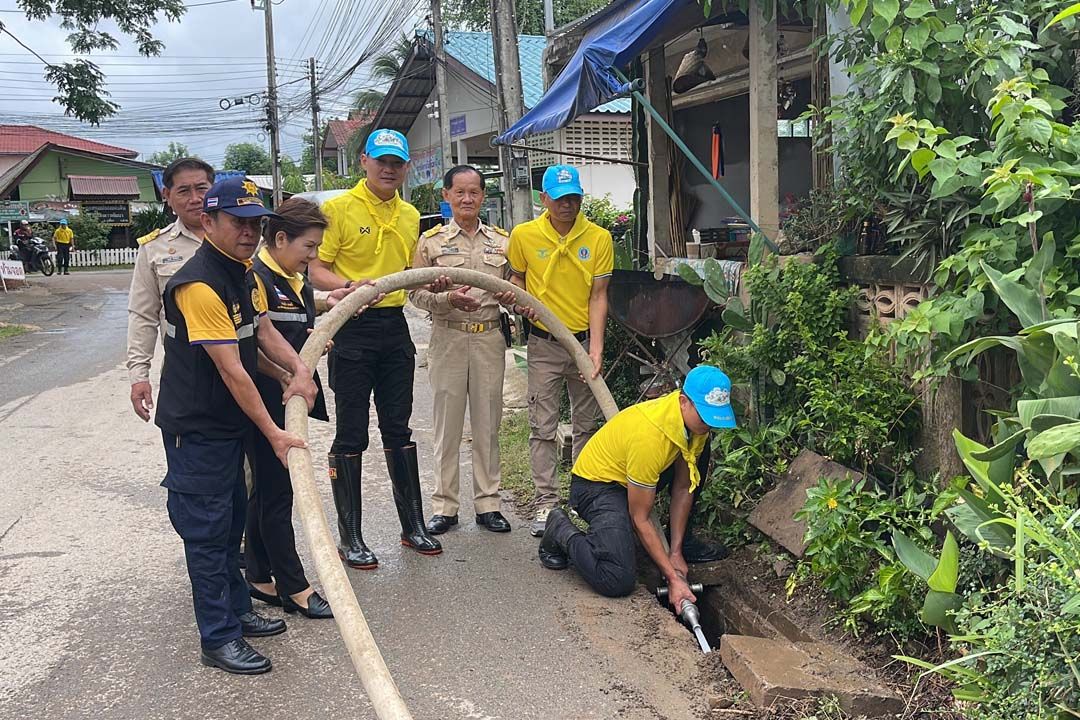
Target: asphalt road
{"points": [[97, 618]]}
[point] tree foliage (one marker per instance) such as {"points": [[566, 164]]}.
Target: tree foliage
{"points": [[476, 14], [248, 157], [80, 84], [173, 152]]}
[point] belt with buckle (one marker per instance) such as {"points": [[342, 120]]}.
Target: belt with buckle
{"points": [[470, 327], [580, 336]]}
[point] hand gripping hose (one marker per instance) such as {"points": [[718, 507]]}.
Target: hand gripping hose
{"points": [[368, 661]]}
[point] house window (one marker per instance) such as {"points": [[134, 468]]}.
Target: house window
{"points": [[793, 128]]}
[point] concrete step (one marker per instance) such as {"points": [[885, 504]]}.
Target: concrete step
{"points": [[776, 671]]}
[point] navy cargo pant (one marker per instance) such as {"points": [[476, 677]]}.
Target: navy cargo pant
{"points": [[207, 505], [372, 353]]}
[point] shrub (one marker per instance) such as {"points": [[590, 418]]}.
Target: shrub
{"points": [[148, 220], [90, 232]]}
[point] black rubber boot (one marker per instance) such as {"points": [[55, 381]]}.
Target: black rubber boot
{"points": [[557, 534], [345, 481], [405, 477]]}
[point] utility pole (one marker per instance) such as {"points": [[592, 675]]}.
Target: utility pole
{"points": [[271, 99], [316, 139], [440, 86], [549, 17], [516, 175]]}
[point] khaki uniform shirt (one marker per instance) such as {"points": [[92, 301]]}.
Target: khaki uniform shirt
{"points": [[450, 246], [161, 254]]}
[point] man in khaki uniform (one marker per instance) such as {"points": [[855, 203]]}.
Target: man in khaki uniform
{"points": [[467, 354], [161, 254]]}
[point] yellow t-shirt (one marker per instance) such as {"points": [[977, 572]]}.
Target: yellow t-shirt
{"points": [[368, 238], [63, 235], [208, 320], [560, 271], [296, 280], [639, 443]]}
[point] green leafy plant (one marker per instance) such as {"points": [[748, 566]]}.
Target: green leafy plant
{"points": [[90, 232], [148, 220]]}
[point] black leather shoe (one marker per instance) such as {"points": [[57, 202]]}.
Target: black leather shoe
{"points": [[255, 625], [438, 524], [557, 533], [257, 594], [317, 607], [493, 521], [236, 657]]}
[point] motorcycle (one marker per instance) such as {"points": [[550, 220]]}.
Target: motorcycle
{"points": [[34, 254]]}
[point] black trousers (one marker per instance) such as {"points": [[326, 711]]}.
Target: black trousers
{"points": [[373, 353], [270, 548], [63, 257], [207, 502]]}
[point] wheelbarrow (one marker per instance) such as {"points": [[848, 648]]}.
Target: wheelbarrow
{"points": [[650, 310]]}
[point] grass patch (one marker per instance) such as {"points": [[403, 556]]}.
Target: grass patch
{"points": [[10, 331], [515, 465]]}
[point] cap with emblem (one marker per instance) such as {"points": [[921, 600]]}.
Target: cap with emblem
{"points": [[387, 142], [710, 391], [562, 180], [236, 196]]}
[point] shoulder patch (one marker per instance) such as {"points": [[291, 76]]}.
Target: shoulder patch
{"points": [[499, 230], [149, 236], [434, 231]]}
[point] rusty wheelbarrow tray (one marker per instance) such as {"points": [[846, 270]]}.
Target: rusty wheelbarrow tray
{"points": [[655, 309]]}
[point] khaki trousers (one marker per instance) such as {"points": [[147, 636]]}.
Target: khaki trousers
{"points": [[550, 365], [466, 368]]}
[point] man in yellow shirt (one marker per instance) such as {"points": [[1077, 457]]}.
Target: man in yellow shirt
{"points": [[208, 407], [615, 480], [566, 261], [372, 233], [64, 239]]}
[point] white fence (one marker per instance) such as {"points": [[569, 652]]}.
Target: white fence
{"points": [[97, 258]]}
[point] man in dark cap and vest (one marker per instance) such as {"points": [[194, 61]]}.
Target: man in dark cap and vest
{"points": [[208, 408]]}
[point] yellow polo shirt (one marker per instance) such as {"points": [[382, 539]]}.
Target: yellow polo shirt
{"points": [[208, 320], [639, 443], [296, 280], [561, 270], [368, 238], [63, 235]]}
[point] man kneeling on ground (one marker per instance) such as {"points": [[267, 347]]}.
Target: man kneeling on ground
{"points": [[614, 483]]}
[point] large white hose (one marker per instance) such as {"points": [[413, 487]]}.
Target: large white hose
{"points": [[368, 661]]}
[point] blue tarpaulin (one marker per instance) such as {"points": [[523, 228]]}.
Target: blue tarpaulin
{"points": [[588, 80]]}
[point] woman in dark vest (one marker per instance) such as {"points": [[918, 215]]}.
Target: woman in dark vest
{"points": [[274, 572]]}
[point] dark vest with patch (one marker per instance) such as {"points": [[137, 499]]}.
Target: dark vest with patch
{"points": [[292, 316], [193, 397]]}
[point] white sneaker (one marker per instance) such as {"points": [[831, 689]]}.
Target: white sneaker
{"points": [[539, 522]]}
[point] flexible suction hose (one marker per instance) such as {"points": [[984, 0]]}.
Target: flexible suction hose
{"points": [[380, 687]]}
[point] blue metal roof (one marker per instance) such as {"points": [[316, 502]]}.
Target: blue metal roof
{"points": [[474, 51]]}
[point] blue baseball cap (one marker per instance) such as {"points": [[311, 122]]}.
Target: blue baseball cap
{"points": [[387, 142], [562, 180], [237, 196], [63, 221], [710, 391]]}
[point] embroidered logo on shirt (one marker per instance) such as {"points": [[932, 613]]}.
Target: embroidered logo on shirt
{"points": [[365, 230], [542, 253], [583, 253], [238, 320], [718, 397], [255, 297]]}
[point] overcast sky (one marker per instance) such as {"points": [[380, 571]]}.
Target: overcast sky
{"points": [[217, 51]]}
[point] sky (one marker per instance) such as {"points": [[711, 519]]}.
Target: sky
{"points": [[216, 51]]}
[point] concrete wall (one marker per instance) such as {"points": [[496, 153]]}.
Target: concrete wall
{"points": [[48, 180], [614, 180], [466, 99], [695, 127]]}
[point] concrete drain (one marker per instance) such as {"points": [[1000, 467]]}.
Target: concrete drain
{"points": [[771, 655]]}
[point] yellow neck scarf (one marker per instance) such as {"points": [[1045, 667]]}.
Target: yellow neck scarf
{"points": [[666, 415], [370, 201], [562, 249]]}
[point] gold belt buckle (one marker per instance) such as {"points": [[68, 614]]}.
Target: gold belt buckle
{"points": [[474, 327]]}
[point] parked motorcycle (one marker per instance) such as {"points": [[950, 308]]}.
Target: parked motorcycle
{"points": [[34, 254]]}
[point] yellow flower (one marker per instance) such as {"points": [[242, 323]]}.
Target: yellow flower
{"points": [[831, 503]]}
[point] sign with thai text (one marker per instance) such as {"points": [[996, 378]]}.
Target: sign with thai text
{"points": [[12, 270], [108, 213], [425, 166], [14, 210], [457, 126]]}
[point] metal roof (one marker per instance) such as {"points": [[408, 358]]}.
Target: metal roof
{"points": [[25, 139], [97, 186]]}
